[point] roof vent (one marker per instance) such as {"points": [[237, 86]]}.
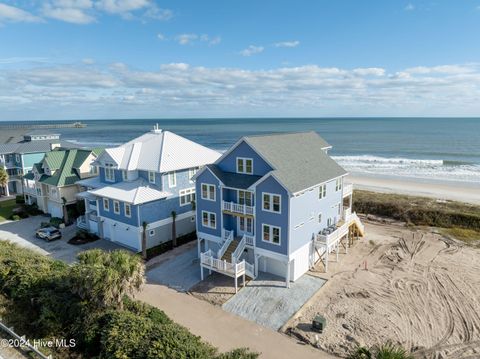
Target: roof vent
{"points": [[156, 129]]}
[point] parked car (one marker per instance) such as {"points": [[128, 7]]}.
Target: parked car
{"points": [[48, 233]]}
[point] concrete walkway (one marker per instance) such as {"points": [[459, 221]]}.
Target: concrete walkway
{"points": [[225, 330], [268, 302]]}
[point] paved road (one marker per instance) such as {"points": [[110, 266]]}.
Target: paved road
{"points": [[225, 330], [23, 233]]}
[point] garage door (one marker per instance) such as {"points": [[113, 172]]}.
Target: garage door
{"points": [[273, 266], [126, 238], [55, 209]]}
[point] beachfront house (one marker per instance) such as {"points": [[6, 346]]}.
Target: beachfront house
{"points": [[51, 183], [147, 181], [19, 157], [275, 203]]}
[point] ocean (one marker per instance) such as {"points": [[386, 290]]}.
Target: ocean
{"points": [[445, 149]]}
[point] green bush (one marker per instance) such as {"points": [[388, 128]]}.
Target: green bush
{"points": [[56, 221], [32, 209], [384, 351], [15, 217], [19, 199]]}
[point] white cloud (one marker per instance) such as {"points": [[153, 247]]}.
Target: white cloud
{"points": [[287, 44], [14, 14], [185, 39], [409, 7], [178, 89], [74, 15], [121, 6], [252, 50], [161, 36]]}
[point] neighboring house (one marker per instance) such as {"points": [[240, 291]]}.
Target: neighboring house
{"points": [[275, 203], [144, 181], [54, 179], [18, 158]]}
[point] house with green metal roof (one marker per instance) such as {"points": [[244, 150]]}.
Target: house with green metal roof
{"points": [[52, 182], [19, 157]]}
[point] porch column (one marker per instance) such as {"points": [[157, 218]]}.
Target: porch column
{"points": [[338, 249], [256, 256], [326, 260], [7, 191], [288, 275], [199, 247]]}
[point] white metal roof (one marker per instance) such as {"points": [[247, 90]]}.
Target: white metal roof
{"points": [[92, 182], [134, 192], [161, 151]]}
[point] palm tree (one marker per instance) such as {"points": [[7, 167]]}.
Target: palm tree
{"points": [[174, 229], [104, 278], [144, 240], [65, 212], [4, 180]]}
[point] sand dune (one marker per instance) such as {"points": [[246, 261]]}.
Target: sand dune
{"points": [[420, 291]]}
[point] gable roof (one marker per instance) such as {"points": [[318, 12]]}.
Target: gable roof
{"points": [[65, 163], [233, 180], [160, 151], [299, 159]]}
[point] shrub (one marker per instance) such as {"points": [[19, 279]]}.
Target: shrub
{"points": [[19, 199], [56, 221], [15, 217], [32, 209], [384, 351]]}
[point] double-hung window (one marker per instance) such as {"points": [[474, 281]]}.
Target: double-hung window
{"points": [[271, 234], [187, 196], [106, 204], [116, 207], [209, 219], [124, 175], [191, 173], [338, 184], [151, 177], [271, 202], [322, 191], [109, 172], [244, 165], [208, 191], [128, 210], [172, 179]]}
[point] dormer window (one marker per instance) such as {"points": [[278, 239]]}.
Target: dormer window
{"points": [[124, 175], [244, 165], [109, 172], [151, 177]]}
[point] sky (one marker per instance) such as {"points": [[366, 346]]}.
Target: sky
{"points": [[96, 59]]}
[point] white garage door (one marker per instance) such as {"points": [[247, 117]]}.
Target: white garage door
{"points": [[55, 209], [126, 238]]}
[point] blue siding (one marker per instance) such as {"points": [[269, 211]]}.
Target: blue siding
{"points": [[229, 163], [133, 221], [270, 185], [307, 205], [158, 178], [118, 176], [210, 206]]}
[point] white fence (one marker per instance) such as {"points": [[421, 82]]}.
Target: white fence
{"points": [[228, 240]]}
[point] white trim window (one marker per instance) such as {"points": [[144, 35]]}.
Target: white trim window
{"points": [[93, 170], [116, 207], [128, 210], [187, 196], [106, 204], [338, 184], [172, 179], [17, 157], [209, 219], [192, 172], [320, 217], [151, 177], [208, 191], [271, 202], [245, 165], [124, 175], [109, 172], [322, 191], [271, 234]]}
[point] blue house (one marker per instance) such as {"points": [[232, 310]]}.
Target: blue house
{"points": [[142, 181], [275, 203], [18, 158]]}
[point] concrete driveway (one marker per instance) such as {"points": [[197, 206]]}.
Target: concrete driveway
{"points": [[178, 269], [23, 233], [268, 302]]}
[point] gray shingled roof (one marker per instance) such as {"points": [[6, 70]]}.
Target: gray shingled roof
{"points": [[234, 180], [299, 159]]}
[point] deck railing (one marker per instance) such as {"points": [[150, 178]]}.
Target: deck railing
{"points": [[228, 240], [239, 250], [249, 240], [347, 189], [238, 208], [329, 240]]}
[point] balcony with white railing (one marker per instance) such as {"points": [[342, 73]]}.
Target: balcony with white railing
{"points": [[331, 235], [347, 189], [209, 261], [238, 208]]}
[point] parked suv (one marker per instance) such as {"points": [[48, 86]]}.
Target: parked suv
{"points": [[48, 233]]}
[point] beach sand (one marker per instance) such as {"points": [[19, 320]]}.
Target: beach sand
{"points": [[454, 191], [420, 291]]}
